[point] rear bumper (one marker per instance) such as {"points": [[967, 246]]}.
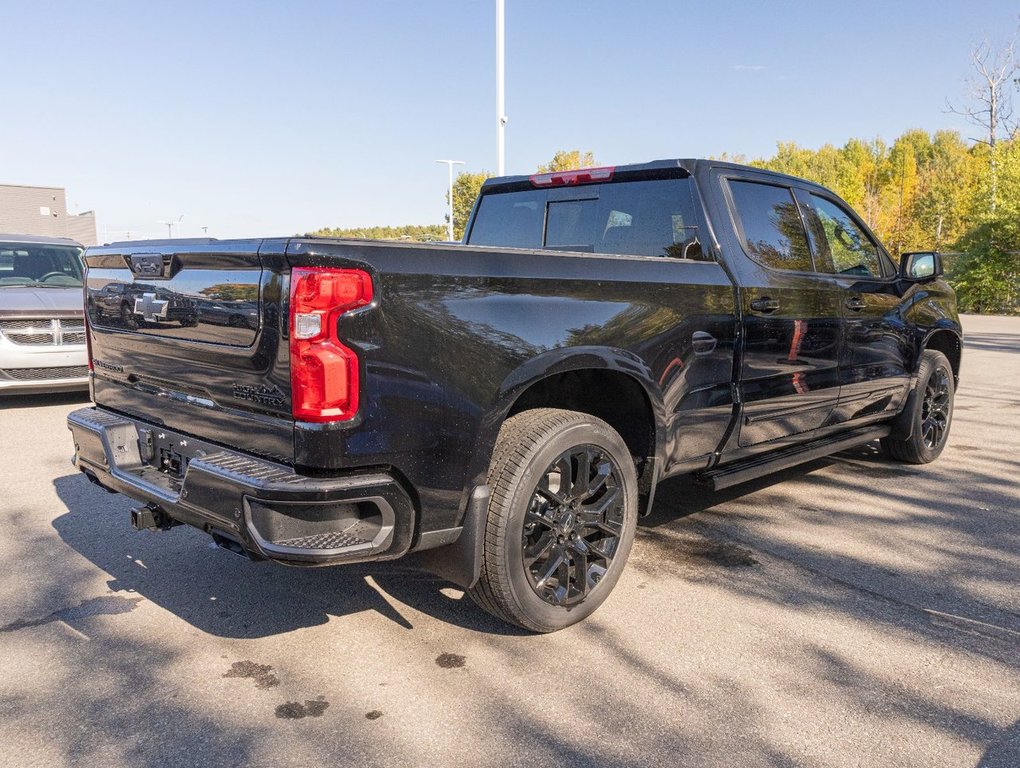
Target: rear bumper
{"points": [[267, 508]]}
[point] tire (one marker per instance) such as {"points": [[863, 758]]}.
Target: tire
{"points": [[576, 532], [932, 412], [127, 317]]}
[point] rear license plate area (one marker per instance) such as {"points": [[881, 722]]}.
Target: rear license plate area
{"points": [[168, 452]]}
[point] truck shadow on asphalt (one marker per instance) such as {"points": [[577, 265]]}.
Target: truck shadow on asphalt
{"points": [[993, 342], [685, 535], [933, 546], [230, 596]]}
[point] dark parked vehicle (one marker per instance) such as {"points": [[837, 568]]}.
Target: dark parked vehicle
{"points": [[141, 305], [506, 407]]}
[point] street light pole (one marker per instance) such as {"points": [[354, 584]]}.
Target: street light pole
{"points": [[171, 224], [501, 117], [449, 223]]}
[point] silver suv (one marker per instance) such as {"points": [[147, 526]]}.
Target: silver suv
{"points": [[42, 322]]}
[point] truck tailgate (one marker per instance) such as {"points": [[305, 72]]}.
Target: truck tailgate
{"points": [[192, 336]]}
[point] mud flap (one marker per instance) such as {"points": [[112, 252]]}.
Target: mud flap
{"points": [[461, 561], [903, 424]]}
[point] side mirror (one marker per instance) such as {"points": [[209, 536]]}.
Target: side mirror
{"points": [[924, 265]]}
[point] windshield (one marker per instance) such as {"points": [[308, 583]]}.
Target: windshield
{"points": [[50, 266]]}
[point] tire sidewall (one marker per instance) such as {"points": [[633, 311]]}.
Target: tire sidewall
{"points": [[933, 364], [548, 617]]}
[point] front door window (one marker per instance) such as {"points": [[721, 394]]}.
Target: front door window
{"points": [[852, 251]]}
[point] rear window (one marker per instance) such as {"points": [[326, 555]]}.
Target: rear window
{"points": [[57, 266], [638, 218], [772, 229]]}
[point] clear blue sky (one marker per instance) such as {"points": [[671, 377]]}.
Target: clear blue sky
{"points": [[256, 118]]}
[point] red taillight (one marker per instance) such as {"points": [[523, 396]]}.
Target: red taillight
{"points": [[568, 178], [323, 372]]}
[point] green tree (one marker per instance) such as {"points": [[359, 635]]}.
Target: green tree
{"points": [[465, 191], [421, 233], [942, 208], [986, 274], [569, 160]]}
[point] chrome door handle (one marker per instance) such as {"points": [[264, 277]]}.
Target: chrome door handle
{"points": [[703, 343], [765, 305], [855, 303]]}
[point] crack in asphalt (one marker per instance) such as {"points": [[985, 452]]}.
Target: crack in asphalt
{"points": [[110, 605]]}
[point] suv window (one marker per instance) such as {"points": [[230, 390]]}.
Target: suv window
{"points": [[773, 231], [638, 218], [853, 252]]}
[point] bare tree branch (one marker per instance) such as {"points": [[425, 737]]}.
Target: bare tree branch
{"points": [[989, 100]]}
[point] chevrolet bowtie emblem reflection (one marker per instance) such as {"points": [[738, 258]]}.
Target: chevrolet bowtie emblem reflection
{"points": [[151, 308]]}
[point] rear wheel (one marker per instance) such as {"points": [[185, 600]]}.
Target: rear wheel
{"points": [[932, 412], [561, 519], [127, 317]]}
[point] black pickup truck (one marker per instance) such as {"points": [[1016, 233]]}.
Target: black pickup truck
{"points": [[504, 408]]}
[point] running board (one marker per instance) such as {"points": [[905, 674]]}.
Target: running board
{"points": [[765, 464]]}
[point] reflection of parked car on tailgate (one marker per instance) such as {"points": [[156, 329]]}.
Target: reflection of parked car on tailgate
{"points": [[236, 314], [129, 306], [42, 324]]}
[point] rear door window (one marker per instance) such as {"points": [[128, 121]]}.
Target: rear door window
{"points": [[639, 218], [770, 225]]}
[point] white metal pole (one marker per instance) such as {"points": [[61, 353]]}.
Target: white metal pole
{"points": [[449, 221], [500, 91]]}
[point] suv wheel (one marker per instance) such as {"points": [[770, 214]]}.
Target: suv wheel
{"points": [[561, 519]]}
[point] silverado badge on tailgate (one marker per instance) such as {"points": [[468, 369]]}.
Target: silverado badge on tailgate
{"points": [[262, 394]]}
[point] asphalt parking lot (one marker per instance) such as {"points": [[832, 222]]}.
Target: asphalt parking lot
{"points": [[850, 612]]}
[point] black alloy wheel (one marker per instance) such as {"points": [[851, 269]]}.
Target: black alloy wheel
{"points": [[573, 525], [561, 519], [935, 409]]}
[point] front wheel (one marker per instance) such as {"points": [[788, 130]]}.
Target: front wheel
{"points": [[561, 519], [932, 412]]}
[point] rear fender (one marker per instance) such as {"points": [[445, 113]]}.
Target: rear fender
{"points": [[560, 361]]}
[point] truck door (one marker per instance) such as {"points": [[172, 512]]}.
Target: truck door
{"points": [[877, 344], [789, 373]]}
